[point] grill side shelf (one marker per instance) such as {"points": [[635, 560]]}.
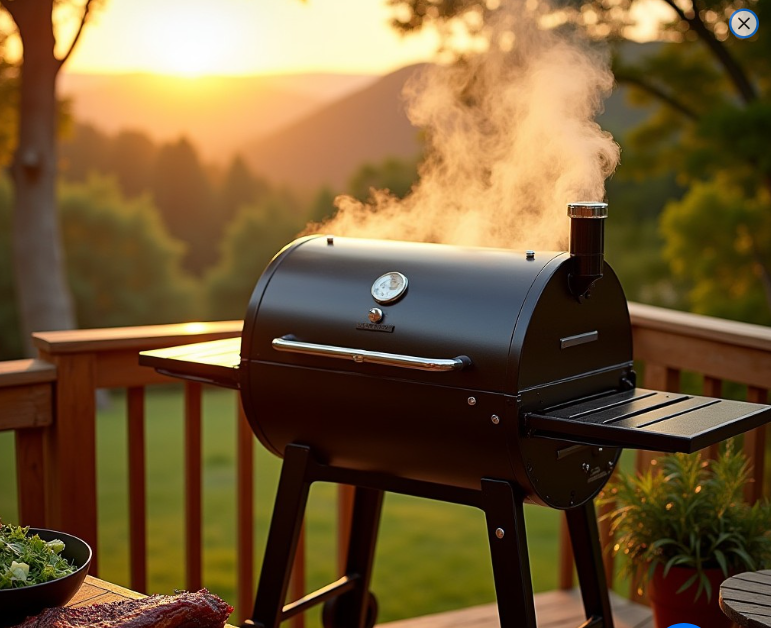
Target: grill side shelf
{"points": [[216, 362], [647, 419]]}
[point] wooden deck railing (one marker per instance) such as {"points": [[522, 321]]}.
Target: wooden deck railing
{"points": [[26, 406], [50, 404], [668, 343]]}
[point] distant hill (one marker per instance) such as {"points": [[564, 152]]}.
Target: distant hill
{"points": [[302, 130], [326, 146], [218, 114]]}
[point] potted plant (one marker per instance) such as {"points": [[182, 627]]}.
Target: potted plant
{"points": [[685, 529]]}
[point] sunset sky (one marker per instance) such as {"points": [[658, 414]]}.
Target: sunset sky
{"points": [[239, 37], [242, 37]]}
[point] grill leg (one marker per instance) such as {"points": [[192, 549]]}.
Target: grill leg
{"points": [[585, 538], [504, 511], [357, 608], [288, 512]]}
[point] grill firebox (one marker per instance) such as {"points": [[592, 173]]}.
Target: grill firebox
{"points": [[475, 376]]}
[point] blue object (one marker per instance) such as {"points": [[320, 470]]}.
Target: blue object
{"points": [[743, 24]]}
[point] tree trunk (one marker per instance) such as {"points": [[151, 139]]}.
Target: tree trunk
{"points": [[42, 292]]}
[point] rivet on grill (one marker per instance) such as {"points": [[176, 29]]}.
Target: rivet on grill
{"points": [[330, 240], [495, 419], [585, 467], [375, 315], [499, 532], [472, 401], [530, 254], [610, 465]]}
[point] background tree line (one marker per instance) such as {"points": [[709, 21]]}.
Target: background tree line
{"points": [[153, 235]]}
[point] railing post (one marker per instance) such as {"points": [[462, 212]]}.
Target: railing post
{"points": [[30, 477], [70, 446], [245, 510], [193, 487], [755, 448], [26, 400], [565, 575], [344, 515], [137, 489]]}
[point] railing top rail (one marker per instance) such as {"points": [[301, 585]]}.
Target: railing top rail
{"points": [[116, 338], [122, 338], [699, 326], [25, 372]]}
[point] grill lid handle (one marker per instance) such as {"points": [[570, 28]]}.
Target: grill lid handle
{"points": [[361, 356]]}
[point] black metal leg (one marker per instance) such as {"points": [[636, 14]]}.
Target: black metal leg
{"points": [[352, 608], [585, 538], [285, 525], [504, 511]]}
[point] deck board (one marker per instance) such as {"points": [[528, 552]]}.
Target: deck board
{"points": [[554, 609]]}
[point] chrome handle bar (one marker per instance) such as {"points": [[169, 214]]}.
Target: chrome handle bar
{"points": [[363, 356]]}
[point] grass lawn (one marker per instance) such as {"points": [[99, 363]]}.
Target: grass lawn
{"points": [[430, 557]]}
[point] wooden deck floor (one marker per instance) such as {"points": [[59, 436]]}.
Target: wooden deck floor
{"points": [[555, 609]]}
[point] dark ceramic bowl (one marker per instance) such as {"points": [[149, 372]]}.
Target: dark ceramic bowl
{"points": [[18, 604]]}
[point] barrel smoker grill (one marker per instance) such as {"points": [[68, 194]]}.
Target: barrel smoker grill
{"points": [[475, 376]]}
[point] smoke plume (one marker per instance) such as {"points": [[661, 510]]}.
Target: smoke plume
{"points": [[511, 139]]}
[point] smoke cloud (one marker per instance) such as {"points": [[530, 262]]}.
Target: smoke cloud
{"points": [[511, 139]]}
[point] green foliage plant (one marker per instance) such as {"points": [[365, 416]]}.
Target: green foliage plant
{"points": [[251, 239], [123, 266], [689, 512], [718, 240]]}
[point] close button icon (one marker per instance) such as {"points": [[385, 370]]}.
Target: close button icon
{"points": [[743, 23]]}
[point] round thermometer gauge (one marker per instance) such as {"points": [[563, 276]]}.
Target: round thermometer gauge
{"points": [[389, 287]]}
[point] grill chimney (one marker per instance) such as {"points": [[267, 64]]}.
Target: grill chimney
{"points": [[587, 241]]}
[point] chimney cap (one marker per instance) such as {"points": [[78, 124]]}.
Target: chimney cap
{"points": [[588, 210]]}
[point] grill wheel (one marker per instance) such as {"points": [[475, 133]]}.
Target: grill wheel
{"points": [[336, 613]]}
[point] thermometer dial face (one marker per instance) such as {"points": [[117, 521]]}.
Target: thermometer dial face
{"points": [[389, 287]]}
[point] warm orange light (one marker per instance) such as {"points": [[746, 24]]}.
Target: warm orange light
{"points": [[190, 39], [194, 328]]}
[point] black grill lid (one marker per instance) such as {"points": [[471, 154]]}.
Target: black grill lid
{"points": [[647, 419]]}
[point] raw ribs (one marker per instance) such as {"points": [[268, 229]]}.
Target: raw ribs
{"points": [[184, 610]]}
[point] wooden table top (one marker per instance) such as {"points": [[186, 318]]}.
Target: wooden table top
{"points": [[746, 599], [95, 591]]}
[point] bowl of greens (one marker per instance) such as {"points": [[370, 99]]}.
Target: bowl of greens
{"points": [[38, 569]]}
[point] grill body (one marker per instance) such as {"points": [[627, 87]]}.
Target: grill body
{"points": [[473, 376], [529, 343]]}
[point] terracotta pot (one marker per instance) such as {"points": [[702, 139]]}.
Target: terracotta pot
{"points": [[670, 607]]}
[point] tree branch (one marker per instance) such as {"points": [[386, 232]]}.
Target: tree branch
{"points": [[75, 39], [659, 93], [735, 72], [681, 14]]}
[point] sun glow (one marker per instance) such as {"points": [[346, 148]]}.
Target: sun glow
{"points": [[190, 41], [191, 38]]}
